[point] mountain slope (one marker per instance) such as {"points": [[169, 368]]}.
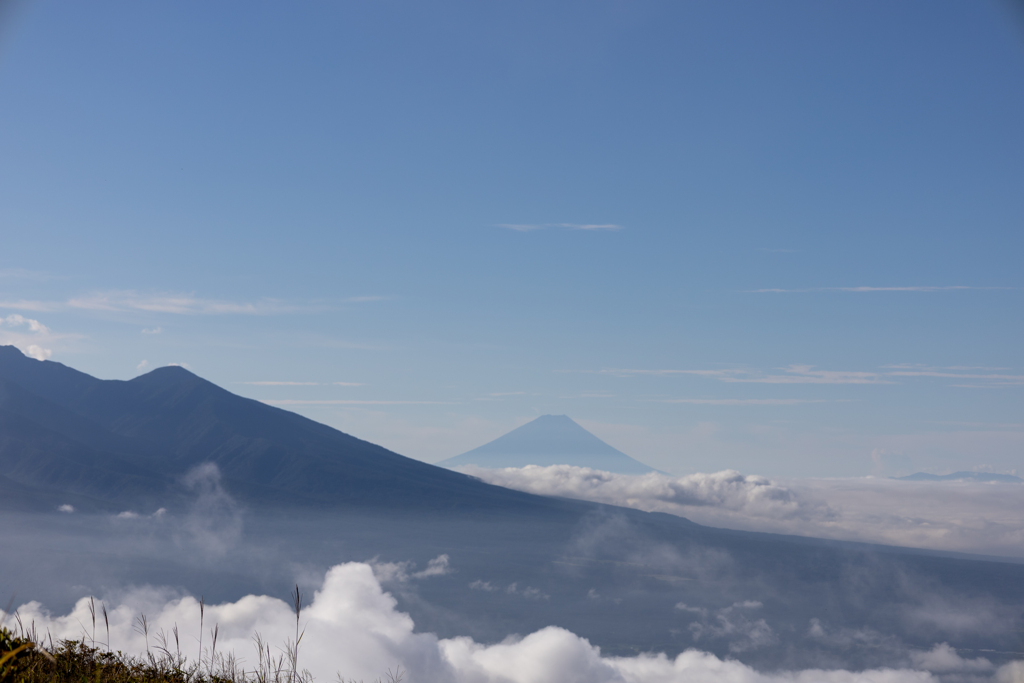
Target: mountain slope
{"points": [[71, 432], [549, 440]]}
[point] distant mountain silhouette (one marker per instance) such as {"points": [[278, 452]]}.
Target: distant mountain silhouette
{"points": [[119, 443], [549, 440], [963, 476]]}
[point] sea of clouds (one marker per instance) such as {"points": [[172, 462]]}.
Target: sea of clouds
{"points": [[352, 630], [960, 516]]}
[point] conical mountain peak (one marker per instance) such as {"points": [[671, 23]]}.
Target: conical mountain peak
{"points": [[549, 440]]}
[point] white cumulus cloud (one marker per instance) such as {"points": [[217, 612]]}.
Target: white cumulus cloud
{"points": [[942, 658], [352, 629], [728, 490], [30, 336]]}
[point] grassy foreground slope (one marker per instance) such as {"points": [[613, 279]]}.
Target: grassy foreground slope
{"points": [[24, 660]]}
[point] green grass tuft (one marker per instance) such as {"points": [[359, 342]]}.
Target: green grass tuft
{"points": [[23, 659]]}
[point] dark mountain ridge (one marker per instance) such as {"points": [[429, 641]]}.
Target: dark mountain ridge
{"points": [[127, 442]]}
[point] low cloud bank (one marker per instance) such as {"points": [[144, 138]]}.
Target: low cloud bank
{"points": [[968, 517], [352, 628]]}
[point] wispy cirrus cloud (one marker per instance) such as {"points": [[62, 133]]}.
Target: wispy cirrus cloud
{"points": [[529, 227], [176, 304], [33, 305], [179, 304], [806, 374], [301, 402], [130, 301], [957, 375], [793, 374], [960, 372], [590, 226], [25, 274], [275, 383], [743, 401], [913, 288], [629, 372], [809, 374]]}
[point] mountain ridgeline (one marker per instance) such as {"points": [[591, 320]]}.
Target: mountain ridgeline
{"points": [[69, 438]]}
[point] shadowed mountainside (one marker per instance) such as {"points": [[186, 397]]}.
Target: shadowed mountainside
{"points": [[129, 442]]}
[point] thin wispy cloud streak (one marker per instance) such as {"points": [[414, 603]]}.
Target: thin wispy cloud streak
{"points": [[175, 304], [300, 402], [125, 301], [180, 304], [530, 227], [916, 288], [590, 226], [25, 274], [628, 372], [744, 401], [33, 305], [808, 374], [955, 375], [911, 366], [274, 383], [794, 374]]}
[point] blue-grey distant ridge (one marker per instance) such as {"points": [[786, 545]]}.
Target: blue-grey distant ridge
{"points": [[549, 440], [963, 476]]}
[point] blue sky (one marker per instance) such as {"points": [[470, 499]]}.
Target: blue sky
{"points": [[783, 238]]}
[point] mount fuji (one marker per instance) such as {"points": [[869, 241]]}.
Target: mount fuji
{"points": [[549, 440]]}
